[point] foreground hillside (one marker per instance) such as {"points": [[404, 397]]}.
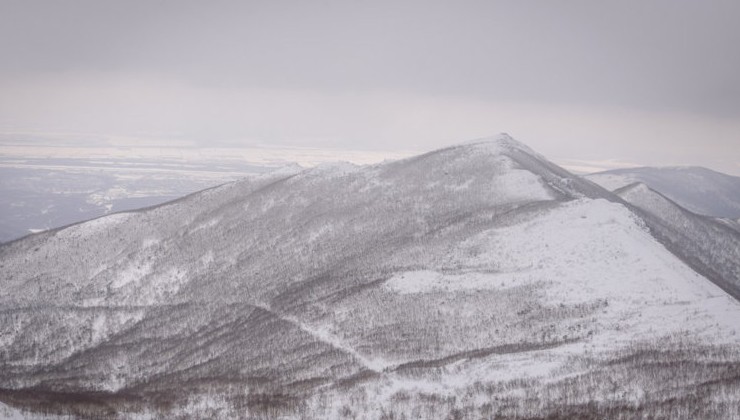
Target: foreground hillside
{"points": [[470, 282]]}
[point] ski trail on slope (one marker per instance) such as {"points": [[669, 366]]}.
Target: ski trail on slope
{"points": [[325, 336]]}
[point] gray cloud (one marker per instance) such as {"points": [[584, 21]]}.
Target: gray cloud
{"points": [[664, 54], [185, 60]]}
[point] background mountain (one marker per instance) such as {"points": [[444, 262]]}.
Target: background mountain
{"points": [[707, 241], [697, 189], [473, 281], [711, 246]]}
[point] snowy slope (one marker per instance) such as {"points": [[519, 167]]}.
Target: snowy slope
{"points": [[470, 281], [594, 258], [711, 246]]}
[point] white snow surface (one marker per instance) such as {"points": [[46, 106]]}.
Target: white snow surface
{"points": [[586, 250], [9, 413], [132, 273], [519, 184], [511, 184], [581, 251]]}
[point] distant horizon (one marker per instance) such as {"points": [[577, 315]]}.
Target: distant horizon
{"points": [[48, 145], [589, 84]]}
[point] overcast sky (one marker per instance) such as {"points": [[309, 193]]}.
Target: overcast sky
{"points": [[586, 82]]}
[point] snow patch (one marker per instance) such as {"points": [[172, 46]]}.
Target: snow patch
{"points": [[519, 184], [99, 330], [9, 413], [169, 282], [206, 225], [207, 259], [132, 273], [149, 242], [589, 250]]}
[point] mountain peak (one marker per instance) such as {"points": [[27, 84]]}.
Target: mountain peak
{"points": [[500, 142]]}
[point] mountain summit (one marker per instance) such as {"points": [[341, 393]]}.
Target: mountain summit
{"points": [[479, 280], [502, 140]]}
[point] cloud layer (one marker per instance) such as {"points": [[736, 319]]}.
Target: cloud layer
{"points": [[648, 82]]}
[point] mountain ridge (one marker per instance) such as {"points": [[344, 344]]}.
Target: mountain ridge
{"points": [[271, 295], [695, 188], [681, 229]]}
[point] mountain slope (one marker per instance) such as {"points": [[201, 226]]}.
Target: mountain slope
{"points": [[711, 246], [475, 279], [697, 189]]}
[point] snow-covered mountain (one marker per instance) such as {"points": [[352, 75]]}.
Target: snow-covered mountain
{"points": [[710, 245], [697, 189], [475, 281]]}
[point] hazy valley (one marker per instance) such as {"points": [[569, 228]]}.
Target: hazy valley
{"points": [[45, 193]]}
